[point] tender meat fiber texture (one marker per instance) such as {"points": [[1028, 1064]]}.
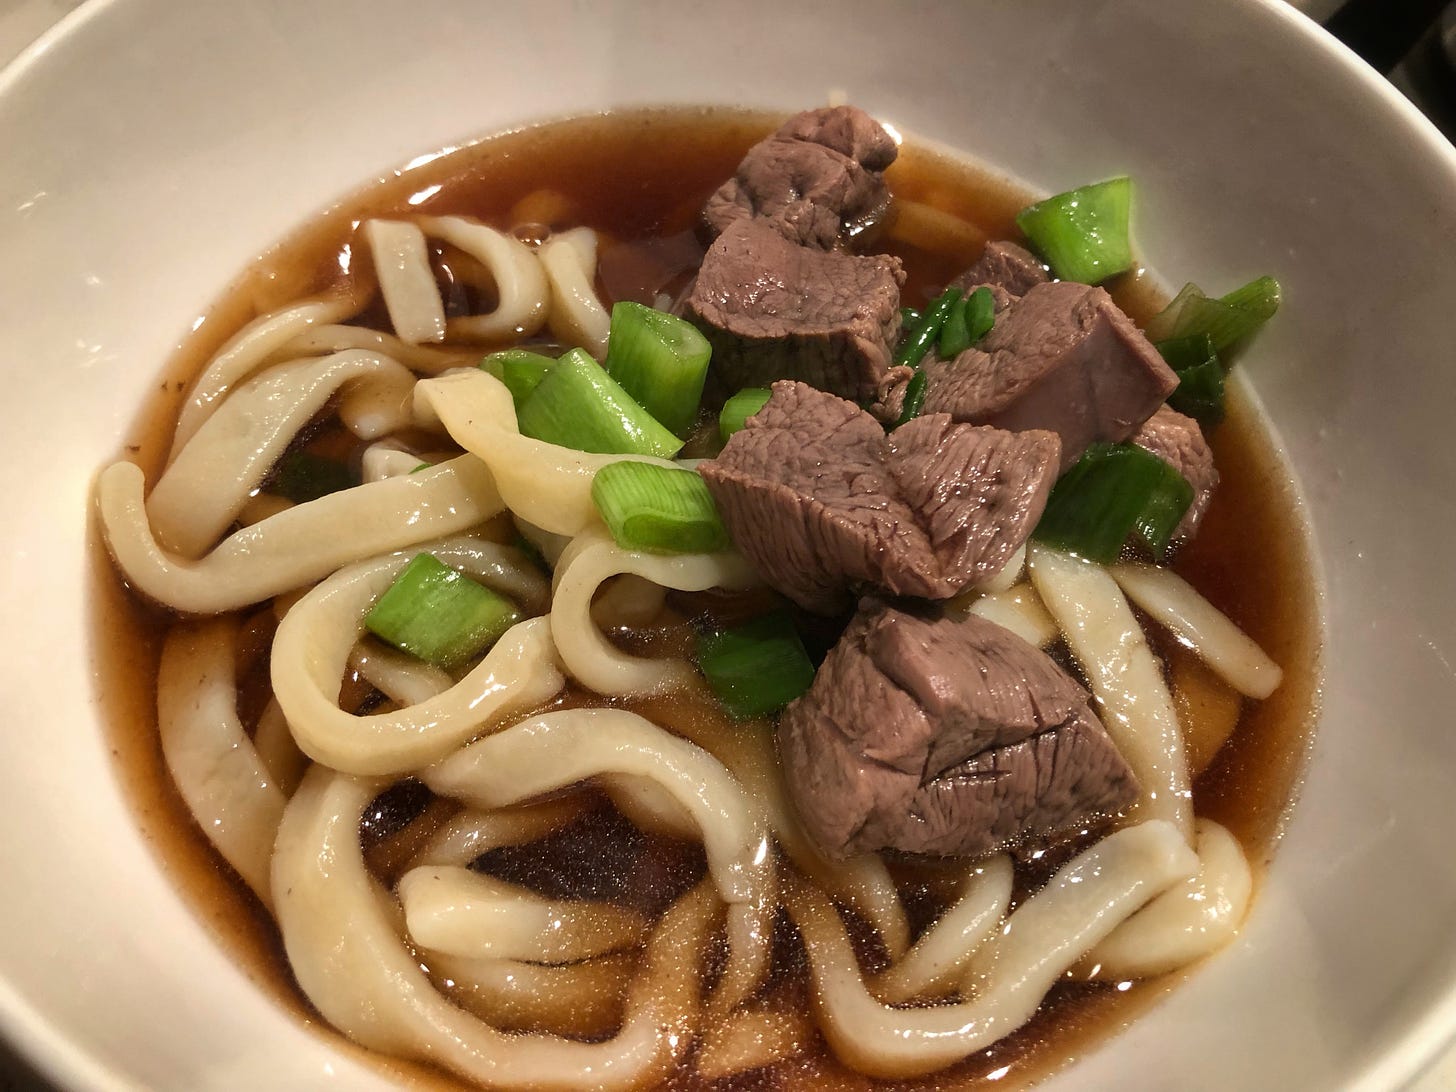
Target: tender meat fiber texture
{"points": [[826, 505], [1004, 265], [1178, 440], [942, 736], [774, 310], [1063, 358], [816, 180]]}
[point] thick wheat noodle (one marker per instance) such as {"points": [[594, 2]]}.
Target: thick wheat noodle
{"points": [[581, 1000], [1007, 976], [862, 882], [406, 280], [452, 909], [1137, 710], [933, 965], [201, 493], [577, 316], [1190, 920], [1228, 651], [472, 831], [543, 484], [277, 748], [591, 659], [227, 787], [296, 547], [522, 291], [349, 959], [554, 750], [420, 359], [247, 350], [316, 637]]}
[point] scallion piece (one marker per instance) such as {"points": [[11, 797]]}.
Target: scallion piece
{"points": [[1083, 233], [1112, 492], [578, 405], [657, 509], [434, 613], [422, 466], [1200, 393], [756, 668], [1226, 320], [660, 360], [908, 317], [914, 399], [955, 335], [923, 334], [1187, 352], [740, 408], [519, 369], [980, 308], [303, 476]]}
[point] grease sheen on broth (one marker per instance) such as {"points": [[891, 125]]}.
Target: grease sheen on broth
{"points": [[644, 175]]}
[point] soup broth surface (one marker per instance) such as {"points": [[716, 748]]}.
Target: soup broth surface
{"points": [[640, 179]]}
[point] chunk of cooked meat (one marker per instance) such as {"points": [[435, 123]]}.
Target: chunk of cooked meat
{"points": [[774, 310], [1178, 440], [815, 180], [1063, 357], [942, 736], [1004, 265], [826, 505]]}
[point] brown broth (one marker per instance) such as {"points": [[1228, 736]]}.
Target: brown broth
{"points": [[644, 175]]}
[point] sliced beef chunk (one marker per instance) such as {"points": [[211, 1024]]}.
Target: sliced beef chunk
{"points": [[1178, 440], [1063, 357], [814, 180], [825, 504], [1006, 266], [943, 736], [776, 310]]}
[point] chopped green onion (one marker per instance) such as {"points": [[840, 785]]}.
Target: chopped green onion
{"points": [[922, 335], [659, 360], [1200, 393], [969, 321], [422, 466], [1083, 233], [657, 509], [908, 317], [756, 668], [303, 476], [1187, 352], [980, 308], [520, 370], [578, 405], [955, 336], [1195, 362], [1226, 320], [738, 409], [914, 399], [434, 613], [1112, 492]]}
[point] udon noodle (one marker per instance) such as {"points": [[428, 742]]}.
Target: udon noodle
{"points": [[405, 947]]}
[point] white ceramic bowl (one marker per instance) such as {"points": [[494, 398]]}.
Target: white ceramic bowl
{"points": [[151, 148]]}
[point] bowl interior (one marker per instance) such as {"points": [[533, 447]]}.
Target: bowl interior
{"points": [[161, 146]]}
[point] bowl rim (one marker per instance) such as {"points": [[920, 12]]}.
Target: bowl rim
{"points": [[1396, 1057]]}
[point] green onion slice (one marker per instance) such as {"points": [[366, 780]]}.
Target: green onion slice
{"points": [[434, 613], [955, 335], [1200, 393], [519, 369], [908, 317], [657, 509], [578, 405], [660, 360], [1083, 233], [756, 668], [738, 409], [980, 308], [1226, 320], [1113, 492], [302, 476], [922, 335], [914, 399]]}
